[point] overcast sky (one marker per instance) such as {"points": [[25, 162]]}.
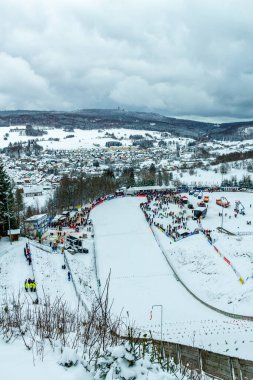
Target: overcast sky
{"points": [[176, 57]]}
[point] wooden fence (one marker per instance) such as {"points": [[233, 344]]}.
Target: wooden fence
{"points": [[215, 365], [201, 363]]}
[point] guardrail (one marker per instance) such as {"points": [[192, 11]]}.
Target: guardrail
{"points": [[80, 300]]}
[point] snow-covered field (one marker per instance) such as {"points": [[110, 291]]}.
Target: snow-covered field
{"points": [[208, 177], [81, 139], [141, 278]]}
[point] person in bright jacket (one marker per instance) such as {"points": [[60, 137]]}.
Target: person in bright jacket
{"points": [[34, 286], [31, 286], [26, 285]]}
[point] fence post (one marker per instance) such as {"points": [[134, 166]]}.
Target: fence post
{"points": [[232, 373], [200, 362], [179, 356]]}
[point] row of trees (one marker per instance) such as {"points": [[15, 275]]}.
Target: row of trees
{"points": [[83, 189], [18, 148], [234, 156], [73, 192], [246, 181]]}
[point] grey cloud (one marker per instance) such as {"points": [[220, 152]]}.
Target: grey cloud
{"points": [[178, 57]]}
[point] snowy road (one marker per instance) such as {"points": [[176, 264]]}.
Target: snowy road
{"points": [[140, 278]]}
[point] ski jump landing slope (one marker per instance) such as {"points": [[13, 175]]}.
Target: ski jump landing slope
{"points": [[140, 276]]}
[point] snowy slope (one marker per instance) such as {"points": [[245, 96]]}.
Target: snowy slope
{"points": [[200, 266], [140, 278], [14, 270], [52, 280], [207, 274], [17, 363]]}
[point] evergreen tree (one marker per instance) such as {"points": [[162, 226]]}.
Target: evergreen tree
{"points": [[50, 207], [108, 173], [165, 176], [127, 177], [30, 212], [150, 178], [159, 178], [19, 205], [6, 202]]}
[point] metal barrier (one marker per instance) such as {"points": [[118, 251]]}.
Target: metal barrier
{"points": [[95, 263], [80, 300], [244, 233], [221, 229]]}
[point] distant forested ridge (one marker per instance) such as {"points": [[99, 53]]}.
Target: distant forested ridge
{"points": [[114, 118]]}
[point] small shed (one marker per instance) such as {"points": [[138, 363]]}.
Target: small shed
{"points": [[14, 234]]}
